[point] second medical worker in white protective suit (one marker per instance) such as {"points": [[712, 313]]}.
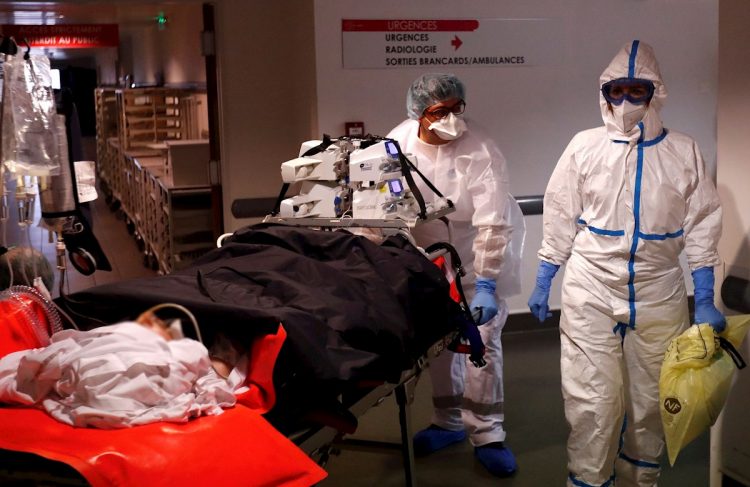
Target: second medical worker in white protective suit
{"points": [[468, 168], [623, 202]]}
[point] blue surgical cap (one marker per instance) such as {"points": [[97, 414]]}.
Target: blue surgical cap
{"points": [[430, 89]]}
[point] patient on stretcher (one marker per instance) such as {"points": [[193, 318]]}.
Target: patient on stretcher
{"points": [[122, 375]]}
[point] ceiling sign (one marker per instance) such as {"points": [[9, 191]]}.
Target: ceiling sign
{"points": [[405, 43], [65, 35]]}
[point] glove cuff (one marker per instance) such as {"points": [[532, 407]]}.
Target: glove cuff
{"points": [[545, 273], [485, 284], [703, 281]]}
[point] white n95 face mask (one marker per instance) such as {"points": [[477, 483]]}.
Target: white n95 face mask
{"points": [[449, 128], [627, 115]]}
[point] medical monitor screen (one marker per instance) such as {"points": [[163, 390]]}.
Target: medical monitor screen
{"points": [[396, 187], [391, 149]]}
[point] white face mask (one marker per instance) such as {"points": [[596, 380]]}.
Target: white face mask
{"points": [[627, 115], [449, 128]]}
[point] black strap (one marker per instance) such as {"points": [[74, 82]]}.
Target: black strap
{"points": [[406, 173], [468, 324], [424, 178], [320, 147], [280, 198], [729, 348], [406, 168]]}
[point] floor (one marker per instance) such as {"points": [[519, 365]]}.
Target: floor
{"points": [[534, 421]]}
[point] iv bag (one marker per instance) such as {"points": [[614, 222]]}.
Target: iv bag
{"points": [[30, 132]]}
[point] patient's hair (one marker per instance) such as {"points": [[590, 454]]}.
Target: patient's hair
{"points": [[20, 265]]}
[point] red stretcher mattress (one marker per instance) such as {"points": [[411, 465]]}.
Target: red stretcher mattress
{"points": [[238, 447]]}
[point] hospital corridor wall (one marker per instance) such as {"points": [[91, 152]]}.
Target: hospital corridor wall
{"points": [[531, 110]]}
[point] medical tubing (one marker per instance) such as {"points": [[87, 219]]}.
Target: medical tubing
{"points": [[33, 260], [65, 315], [703, 281], [43, 332], [10, 270], [68, 301], [186, 311], [25, 276]]}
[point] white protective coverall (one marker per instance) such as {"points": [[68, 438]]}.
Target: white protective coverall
{"points": [[471, 172], [619, 209]]}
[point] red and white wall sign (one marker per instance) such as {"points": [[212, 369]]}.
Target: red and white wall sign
{"points": [[404, 43], [65, 35]]}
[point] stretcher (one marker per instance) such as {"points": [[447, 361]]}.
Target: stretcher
{"points": [[35, 448], [248, 444]]}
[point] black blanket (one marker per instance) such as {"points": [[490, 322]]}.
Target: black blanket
{"points": [[353, 310]]}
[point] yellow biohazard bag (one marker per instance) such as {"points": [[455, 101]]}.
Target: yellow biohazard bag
{"points": [[695, 380]]}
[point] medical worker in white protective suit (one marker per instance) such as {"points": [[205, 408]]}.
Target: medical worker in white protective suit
{"points": [[468, 168], [623, 202]]}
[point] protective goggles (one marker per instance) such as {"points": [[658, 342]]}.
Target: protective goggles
{"points": [[442, 112], [637, 91]]}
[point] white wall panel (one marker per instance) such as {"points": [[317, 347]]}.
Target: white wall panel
{"points": [[532, 111]]}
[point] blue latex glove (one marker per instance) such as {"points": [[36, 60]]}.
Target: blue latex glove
{"points": [[539, 300], [484, 299], [705, 311]]}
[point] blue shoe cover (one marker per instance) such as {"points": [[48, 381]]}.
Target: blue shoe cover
{"points": [[496, 458], [434, 438]]}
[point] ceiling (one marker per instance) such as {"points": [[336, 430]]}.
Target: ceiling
{"points": [[127, 14], [84, 12]]}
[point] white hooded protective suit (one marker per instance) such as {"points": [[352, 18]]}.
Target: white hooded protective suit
{"points": [[471, 172], [619, 209]]}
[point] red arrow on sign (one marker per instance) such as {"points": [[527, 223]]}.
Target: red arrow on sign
{"points": [[456, 43]]}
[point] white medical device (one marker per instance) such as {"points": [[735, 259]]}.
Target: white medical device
{"points": [[372, 163], [323, 166], [359, 179], [316, 199]]}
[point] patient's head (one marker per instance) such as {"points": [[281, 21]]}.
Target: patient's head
{"points": [[220, 362], [155, 324]]}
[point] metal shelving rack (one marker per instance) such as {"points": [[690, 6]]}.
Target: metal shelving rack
{"points": [[171, 224]]}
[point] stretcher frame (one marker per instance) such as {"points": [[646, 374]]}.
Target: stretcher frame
{"points": [[388, 227], [323, 441]]}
